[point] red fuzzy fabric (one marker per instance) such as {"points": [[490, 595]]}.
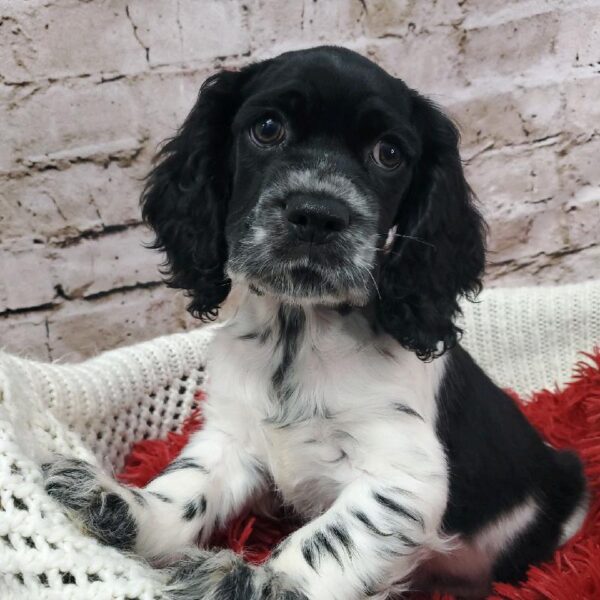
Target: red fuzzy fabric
{"points": [[567, 418]]}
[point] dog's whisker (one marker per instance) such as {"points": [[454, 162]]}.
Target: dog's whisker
{"points": [[419, 240], [374, 283], [366, 268], [413, 239]]}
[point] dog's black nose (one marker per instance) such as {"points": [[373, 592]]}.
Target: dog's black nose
{"points": [[316, 218]]}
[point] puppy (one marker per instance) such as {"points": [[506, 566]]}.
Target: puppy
{"points": [[333, 197]]}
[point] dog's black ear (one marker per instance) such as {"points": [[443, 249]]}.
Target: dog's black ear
{"points": [[442, 256], [186, 195]]}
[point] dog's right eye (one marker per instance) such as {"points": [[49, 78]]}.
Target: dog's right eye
{"points": [[267, 131], [386, 155]]}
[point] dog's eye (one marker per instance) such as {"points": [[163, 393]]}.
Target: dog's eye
{"points": [[267, 131], [386, 155]]}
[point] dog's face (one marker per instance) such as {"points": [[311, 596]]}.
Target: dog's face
{"points": [[319, 178], [322, 152]]}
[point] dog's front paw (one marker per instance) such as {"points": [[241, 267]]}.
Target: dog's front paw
{"points": [[223, 575], [205, 575], [95, 503]]}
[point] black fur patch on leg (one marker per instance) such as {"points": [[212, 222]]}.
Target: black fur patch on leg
{"points": [[398, 508], [183, 463], [138, 497], [200, 574], [318, 546], [276, 586], [251, 335], [194, 508], [261, 336], [105, 514], [407, 410], [111, 522], [162, 497], [236, 584], [205, 575], [309, 554], [340, 533], [70, 481], [362, 517]]}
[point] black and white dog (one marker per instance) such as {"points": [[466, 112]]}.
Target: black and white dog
{"points": [[332, 195]]}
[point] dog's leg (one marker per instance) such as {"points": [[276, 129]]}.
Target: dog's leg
{"points": [[372, 537], [210, 481]]}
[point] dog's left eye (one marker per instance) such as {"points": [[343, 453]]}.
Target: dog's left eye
{"points": [[386, 155], [267, 131]]}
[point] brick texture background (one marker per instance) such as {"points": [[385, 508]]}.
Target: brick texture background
{"points": [[88, 89]]}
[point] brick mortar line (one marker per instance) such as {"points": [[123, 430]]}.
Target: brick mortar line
{"points": [[9, 312], [528, 260], [72, 240], [92, 234], [55, 306]]}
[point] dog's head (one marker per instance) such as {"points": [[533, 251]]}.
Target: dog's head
{"points": [[319, 178]]}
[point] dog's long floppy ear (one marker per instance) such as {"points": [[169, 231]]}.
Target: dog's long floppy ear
{"points": [[442, 256], [186, 195]]}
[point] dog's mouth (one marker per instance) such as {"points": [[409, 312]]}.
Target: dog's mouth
{"points": [[314, 280]]}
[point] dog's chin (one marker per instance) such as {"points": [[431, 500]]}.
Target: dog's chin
{"points": [[306, 286]]}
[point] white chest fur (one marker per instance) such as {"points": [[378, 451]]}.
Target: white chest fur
{"points": [[317, 400]]}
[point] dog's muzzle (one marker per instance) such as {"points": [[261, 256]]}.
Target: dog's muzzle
{"points": [[311, 236]]}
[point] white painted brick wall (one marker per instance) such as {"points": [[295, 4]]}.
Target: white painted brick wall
{"points": [[88, 90]]}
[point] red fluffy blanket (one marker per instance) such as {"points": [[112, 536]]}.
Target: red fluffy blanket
{"points": [[568, 418]]}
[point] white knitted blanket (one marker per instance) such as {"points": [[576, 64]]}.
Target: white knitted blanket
{"points": [[525, 338]]}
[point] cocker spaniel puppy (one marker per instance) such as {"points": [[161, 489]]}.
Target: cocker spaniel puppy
{"points": [[332, 195]]}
